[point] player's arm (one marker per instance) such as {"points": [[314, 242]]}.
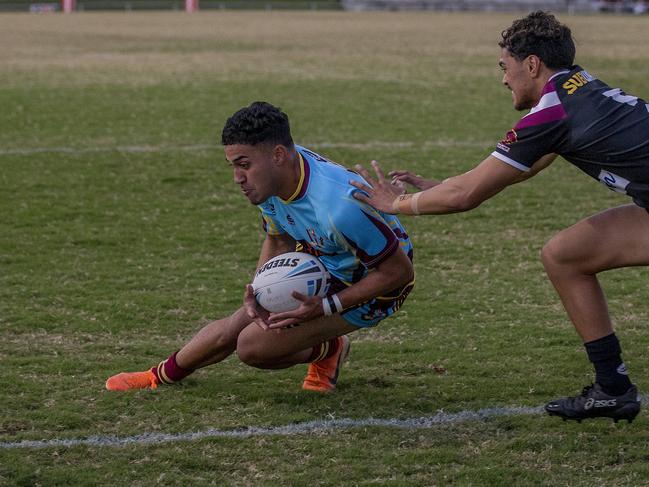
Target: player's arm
{"points": [[467, 191], [537, 167], [391, 273], [402, 177], [274, 245], [453, 195]]}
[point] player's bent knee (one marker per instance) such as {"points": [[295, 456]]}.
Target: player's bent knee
{"points": [[249, 356], [253, 358], [560, 255], [252, 351], [551, 259], [548, 255]]}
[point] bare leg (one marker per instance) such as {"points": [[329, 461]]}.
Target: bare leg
{"points": [[618, 237], [214, 342], [615, 238], [279, 349]]}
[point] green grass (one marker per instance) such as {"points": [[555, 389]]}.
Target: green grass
{"points": [[110, 260]]}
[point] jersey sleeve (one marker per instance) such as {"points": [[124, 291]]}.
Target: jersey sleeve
{"points": [[365, 230], [268, 222], [538, 133]]}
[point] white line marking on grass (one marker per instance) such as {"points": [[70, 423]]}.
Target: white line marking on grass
{"points": [[128, 149], [424, 422]]}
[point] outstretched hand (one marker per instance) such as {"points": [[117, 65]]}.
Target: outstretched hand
{"points": [[381, 193], [310, 308]]}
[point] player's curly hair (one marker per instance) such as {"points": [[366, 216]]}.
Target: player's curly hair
{"points": [[541, 34], [258, 123]]}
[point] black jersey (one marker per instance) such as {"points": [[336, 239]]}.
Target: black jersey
{"points": [[599, 129]]}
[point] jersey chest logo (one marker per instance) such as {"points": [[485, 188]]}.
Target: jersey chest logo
{"points": [[316, 241]]}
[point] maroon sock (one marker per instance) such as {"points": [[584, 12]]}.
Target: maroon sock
{"points": [[323, 350], [168, 371]]}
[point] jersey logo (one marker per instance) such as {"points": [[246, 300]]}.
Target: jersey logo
{"points": [[316, 241], [289, 219], [510, 138], [613, 181], [577, 81]]}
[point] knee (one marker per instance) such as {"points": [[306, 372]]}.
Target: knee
{"points": [[549, 254], [251, 351], [554, 254]]}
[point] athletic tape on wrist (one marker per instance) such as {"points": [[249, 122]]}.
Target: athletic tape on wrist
{"points": [[337, 304], [332, 304], [395, 205], [326, 307], [414, 206]]}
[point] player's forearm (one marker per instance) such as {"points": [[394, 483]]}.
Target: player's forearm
{"points": [[394, 272], [441, 199], [375, 284], [464, 191]]}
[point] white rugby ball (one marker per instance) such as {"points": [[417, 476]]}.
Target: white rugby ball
{"points": [[276, 280]]}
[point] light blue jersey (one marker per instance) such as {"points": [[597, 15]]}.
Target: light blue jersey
{"points": [[348, 236]]}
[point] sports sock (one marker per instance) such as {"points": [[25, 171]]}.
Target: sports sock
{"points": [[168, 371], [610, 372], [323, 350]]}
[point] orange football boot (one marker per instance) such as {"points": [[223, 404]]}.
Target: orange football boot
{"points": [[323, 375], [132, 380]]}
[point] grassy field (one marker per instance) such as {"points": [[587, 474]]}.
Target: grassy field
{"points": [[122, 233]]}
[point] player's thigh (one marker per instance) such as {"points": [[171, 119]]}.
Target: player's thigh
{"points": [[618, 237], [269, 344]]}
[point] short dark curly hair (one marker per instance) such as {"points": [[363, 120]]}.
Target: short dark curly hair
{"points": [[541, 34], [258, 123]]}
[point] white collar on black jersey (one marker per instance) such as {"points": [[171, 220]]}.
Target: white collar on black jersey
{"points": [[558, 73]]}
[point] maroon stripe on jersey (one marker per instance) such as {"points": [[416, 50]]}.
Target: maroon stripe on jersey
{"points": [[549, 88], [305, 183], [547, 115], [391, 245]]}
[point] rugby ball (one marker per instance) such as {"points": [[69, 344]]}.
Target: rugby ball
{"points": [[276, 280]]}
